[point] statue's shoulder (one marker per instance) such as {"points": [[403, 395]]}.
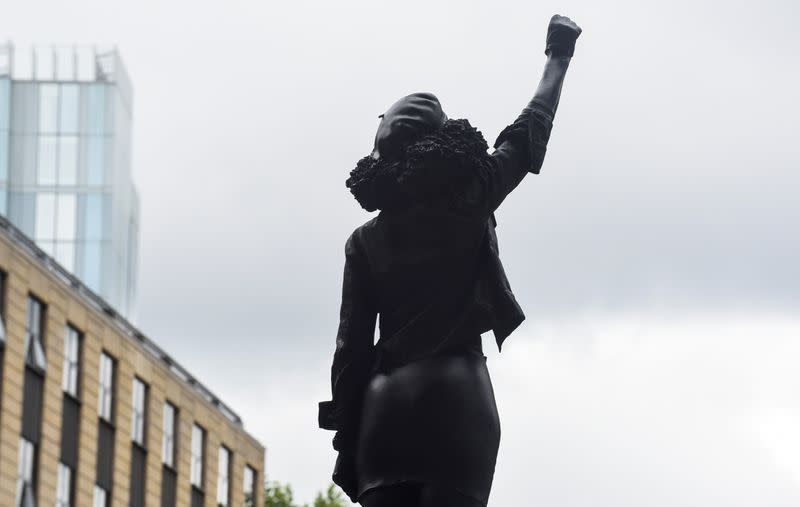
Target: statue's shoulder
{"points": [[363, 232]]}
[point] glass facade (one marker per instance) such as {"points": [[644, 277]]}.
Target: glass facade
{"points": [[65, 171]]}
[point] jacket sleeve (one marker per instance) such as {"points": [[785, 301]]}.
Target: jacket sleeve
{"points": [[519, 149], [352, 359]]}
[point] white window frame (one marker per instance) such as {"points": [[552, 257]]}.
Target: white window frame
{"points": [[198, 451], [69, 380], [223, 476], [25, 466], [106, 391], [168, 434], [64, 488], [249, 486], [139, 411], [34, 349], [100, 498]]}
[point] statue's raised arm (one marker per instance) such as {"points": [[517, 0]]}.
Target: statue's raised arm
{"points": [[521, 146]]}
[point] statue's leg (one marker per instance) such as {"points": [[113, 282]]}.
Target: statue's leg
{"points": [[396, 495], [438, 496]]}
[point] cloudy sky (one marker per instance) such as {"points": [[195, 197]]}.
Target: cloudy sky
{"points": [[656, 255]]}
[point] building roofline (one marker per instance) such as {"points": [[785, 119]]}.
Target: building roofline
{"points": [[98, 303]]}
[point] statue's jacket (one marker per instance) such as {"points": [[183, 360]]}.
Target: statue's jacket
{"points": [[430, 265]]}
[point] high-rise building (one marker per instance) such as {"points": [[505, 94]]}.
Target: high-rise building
{"points": [[65, 162], [94, 413]]}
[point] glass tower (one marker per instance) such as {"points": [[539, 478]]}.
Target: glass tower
{"points": [[65, 162]]}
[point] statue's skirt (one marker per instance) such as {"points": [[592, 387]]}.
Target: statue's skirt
{"points": [[434, 421]]}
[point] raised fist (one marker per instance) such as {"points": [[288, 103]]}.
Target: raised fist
{"points": [[561, 36]]}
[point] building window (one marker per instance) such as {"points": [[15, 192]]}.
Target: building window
{"points": [[69, 109], [198, 443], [169, 434], [139, 411], [96, 108], [138, 483], [25, 468], [47, 159], [249, 487], [223, 476], [67, 160], [106, 401], [72, 340], [100, 497], [95, 160], [64, 491], [48, 108], [34, 340]]}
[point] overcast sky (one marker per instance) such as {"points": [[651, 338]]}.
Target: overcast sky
{"points": [[656, 255]]}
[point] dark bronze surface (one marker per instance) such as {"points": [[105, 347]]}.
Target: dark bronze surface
{"points": [[429, 265]]}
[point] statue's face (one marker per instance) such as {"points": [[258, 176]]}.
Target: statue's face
{"points": [[407, 119]]}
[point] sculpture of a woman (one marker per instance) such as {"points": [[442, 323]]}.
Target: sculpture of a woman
{"points": [[414, 413]]}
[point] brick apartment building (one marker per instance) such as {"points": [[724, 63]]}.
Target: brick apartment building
{"points": [[96, 414]]}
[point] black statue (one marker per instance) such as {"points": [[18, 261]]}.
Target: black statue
{"points": [[414, 414]]}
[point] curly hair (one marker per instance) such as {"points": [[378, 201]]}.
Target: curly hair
{"points": [[434, 165]]}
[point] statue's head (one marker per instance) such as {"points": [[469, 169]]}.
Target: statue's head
{"points": [[418, 155], [407, 120]]}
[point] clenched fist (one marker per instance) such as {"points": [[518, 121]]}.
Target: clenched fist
{"points": [[561, 36]]}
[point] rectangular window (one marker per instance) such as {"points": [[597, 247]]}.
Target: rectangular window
{"points": [[64, 488], [95, 160], [66, 217], [34, 335], [25, 469], [68, 118], [96, 103], [48, 158], [68, 160], [100, 497], [104, 470], [138, 484], [72, 347], [249, 487], [48, 108], [169, 482], [223, 477], [94, 216], [170, 425], [105, 405], [45, 224], [70, 431], [65, 255], [139, 411], [198, 444]]}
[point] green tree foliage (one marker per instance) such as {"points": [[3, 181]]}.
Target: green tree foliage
{"points": [[278, 495], [281, 495], [333, 497]]}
